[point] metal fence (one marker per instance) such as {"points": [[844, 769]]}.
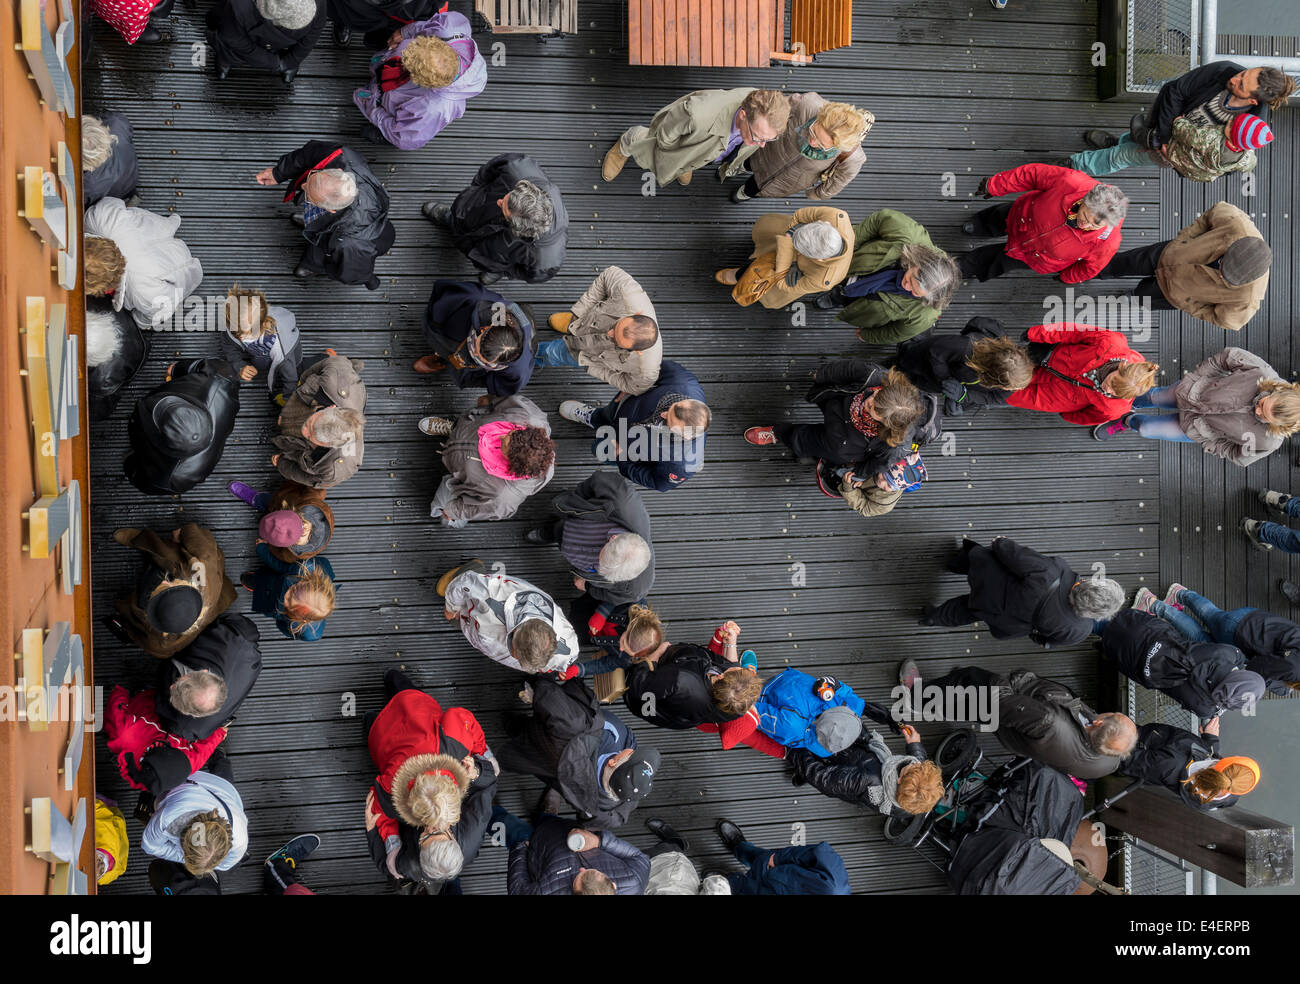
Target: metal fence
{"points": [[1163, 37]]}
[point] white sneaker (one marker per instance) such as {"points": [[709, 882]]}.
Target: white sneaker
{"points": [[577, 411], [435, 426]]}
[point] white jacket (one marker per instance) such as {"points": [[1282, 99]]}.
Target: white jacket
{"points": [[490, 606], [672, 873], [201, 792], [160, 271]]}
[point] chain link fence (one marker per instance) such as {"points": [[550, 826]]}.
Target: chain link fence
{"points": [[1163, 36]]}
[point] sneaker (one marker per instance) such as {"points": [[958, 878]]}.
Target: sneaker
{"points": [[1275, 501], [827, 481], [560, 322], [612, 165], [435, 426], [242, 492], [761, 436], [1251, 528], [1171, 596], [1290, 590], [1099, 139], [577, 411], [1143, 600], [1104, 432], [295, 851], [749, 660], [246, 580], [999, 4], [446, 579], [908, 673]]}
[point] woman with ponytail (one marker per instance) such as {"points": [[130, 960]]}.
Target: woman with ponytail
{"points": [[1190, 765]]}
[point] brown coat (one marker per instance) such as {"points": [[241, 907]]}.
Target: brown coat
{"points": [[816, 276], [196, 558], [1189, 282], [781, 171], [292, 495]]}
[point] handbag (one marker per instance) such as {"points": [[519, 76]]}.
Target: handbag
{"points": [[759, 277]]}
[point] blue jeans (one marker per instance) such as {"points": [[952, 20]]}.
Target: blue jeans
{"points": [[1214, 625], [1158, 427], [613, 659], [517, 831], [1124, 154], [555, 353], [1285, 539]]}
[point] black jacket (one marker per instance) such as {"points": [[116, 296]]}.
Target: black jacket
{"points": [[849, 775], [342, 244], [1162, 756], [484, 235], [178, 431], [1044, 720], [1019, 592], [244, 37], [1149, 650], [118, 176], [1272, 647], [674, 692], [105, 382], [937, 364], [834, 388], [560, 744], [228, 648], [458, 309], [607, 495], [1183, 94], [380, 15]]}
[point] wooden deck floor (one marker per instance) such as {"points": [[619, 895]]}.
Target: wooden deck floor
{"points": [[957, 89]]}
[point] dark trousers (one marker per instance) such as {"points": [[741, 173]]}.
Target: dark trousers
{"points": [[968, 676], [956, 611], [987, 262], [395, 681], [807, 441], [1140, 262]]}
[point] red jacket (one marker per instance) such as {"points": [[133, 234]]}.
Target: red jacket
{"points": [[413, 723], [744, 729], [1037, 232], [133, 729], [1079, 348]]}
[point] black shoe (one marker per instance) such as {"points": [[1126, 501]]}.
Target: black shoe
{"points": [[246, 580], [968, 228], [732, 836], [288, 76], [223, 70], [150, 35], [487, 277], [299, 220], [437, 213], [551, 802], [1061, 162], [1290, 590], [117, 628], [302, 273], [372, 283], [372, 133], [927, 615], [212, 18], [665, 832], [539, 535], [1099, 139], [833, 298], [342, 34]]}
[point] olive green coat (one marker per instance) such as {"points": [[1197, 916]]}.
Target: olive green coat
{"points": [[889, 318]]}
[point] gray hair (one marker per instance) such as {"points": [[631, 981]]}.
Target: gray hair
{"points": [[817, 240], [934, 271], [1107, 204], [103, 339], [441, 860], [199, 693], [341, 189], [96, 142], [531, 211], [336, 426], [624, 556], [1096, 598], [1115, 735]]}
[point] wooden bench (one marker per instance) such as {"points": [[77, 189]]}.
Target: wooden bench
{"points": [[817, 26], [547, 18]]}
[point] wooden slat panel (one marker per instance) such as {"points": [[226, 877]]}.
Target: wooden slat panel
{"points": [[719, 22], [657, 34], [756, 53], [683, 31], [765, 34], [696, 28], [670, 31], [634, 56]]}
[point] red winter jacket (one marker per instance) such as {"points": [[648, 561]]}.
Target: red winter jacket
{"points": [[1037, 232], [133, 729], [413, 723], [744, 729], [1079, 348]]}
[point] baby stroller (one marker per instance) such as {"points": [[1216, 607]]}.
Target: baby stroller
{"points": [[989, 828]]}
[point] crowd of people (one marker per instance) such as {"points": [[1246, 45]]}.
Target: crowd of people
{"points": [[434, 794]]}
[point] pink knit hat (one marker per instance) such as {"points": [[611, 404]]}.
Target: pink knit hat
{"points": [[282, 528]]}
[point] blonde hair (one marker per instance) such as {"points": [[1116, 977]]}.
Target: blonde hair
{"points": [[96, 142], [735, 693], [205, 842], [309, 599], [1133, 379], [898, 402], [920, 787], [644, 633], [431, 62], [1001, 364], [104, 264], [846, 124], [1235, 780], [435, 801], [1286, 406], [241, 298], [593, 882]]}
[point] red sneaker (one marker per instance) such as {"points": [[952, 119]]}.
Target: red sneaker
{"points": [[761, 436]]}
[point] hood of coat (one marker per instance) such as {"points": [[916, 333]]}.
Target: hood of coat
{"points": [[412, 769], [175, 423]]}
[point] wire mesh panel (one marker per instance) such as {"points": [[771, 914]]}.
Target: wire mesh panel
{"points": [[1162, 41]]}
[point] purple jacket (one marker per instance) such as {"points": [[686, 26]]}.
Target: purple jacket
{"points": [[410, 116]]}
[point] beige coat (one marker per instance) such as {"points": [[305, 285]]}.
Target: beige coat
{"points": [[612, 296], [1216, 406], [1189, 282], [816, 276], [688, 133]]}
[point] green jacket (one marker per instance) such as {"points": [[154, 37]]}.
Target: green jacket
{"points": [[889, 318], [1200, 153]]}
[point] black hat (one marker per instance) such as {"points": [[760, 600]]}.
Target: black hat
{"points": [[632, 779], [173, 609], [183, 428]]}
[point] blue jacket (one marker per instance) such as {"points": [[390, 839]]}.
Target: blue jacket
{"points": [[815, 870], [269, 587], [642, 410], [788, 709]]}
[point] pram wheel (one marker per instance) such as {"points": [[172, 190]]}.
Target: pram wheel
{"points": [[956, 753], [903, 831]]}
